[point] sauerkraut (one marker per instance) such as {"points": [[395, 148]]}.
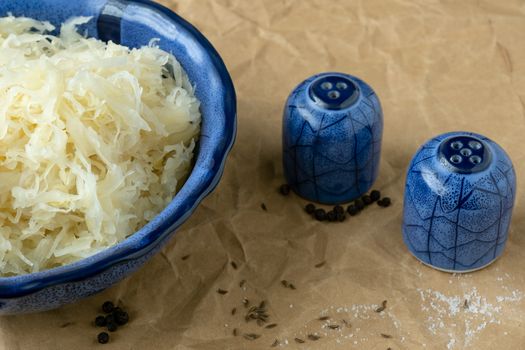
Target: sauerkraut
{"points": [[95, 140]]}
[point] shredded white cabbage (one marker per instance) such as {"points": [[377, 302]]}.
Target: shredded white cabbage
{"points": [[95, 140]]}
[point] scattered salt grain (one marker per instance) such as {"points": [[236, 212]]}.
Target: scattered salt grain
{"points": [[444, 312], [451, 342], [515, 296]]}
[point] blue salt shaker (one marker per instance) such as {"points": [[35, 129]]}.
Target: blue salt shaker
{"points": [[332, 131], [459, 195]]}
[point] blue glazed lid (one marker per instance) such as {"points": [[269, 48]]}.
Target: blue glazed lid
{"points": [[465, 153], [334, 91]]}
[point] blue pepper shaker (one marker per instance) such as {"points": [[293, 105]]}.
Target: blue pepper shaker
{"points": [[332, 131], [459, 195]]}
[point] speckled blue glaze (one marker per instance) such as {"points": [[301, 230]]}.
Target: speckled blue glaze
{"points": [[332, 130], [134, 23], [459, 196]]}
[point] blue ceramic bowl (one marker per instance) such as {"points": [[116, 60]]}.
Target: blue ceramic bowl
{"points": [[459, 196], [332, 131], [134, 23]]}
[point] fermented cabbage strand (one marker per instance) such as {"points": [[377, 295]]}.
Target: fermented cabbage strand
{"points": [[95, 140]]}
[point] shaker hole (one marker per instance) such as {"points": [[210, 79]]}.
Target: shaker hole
{"points": [[341, 86], [333, 95], [457, 145], [456, 159], [475, 145], [326, 85], [466, 152], [475, 159]]}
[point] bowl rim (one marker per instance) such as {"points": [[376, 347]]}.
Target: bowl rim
{"points": [[194, 190]]}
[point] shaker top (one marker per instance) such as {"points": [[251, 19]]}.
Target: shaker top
{"points": [[465, 154], [333, 91]]}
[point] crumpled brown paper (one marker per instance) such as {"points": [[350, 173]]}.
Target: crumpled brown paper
{"points": [[437, 66]]}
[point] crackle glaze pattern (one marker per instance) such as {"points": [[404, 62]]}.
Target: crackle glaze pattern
{"points": [[332, 130], [134, 23], [459, 195]]}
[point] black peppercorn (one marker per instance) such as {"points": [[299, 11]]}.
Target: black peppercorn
{"points": [[331, 216], [284, 189], [341, 217], [116, 312], [112, 326], [359, 204], [100, 321], [320, 214], [375, 195], [103, 338], [352, 210], [339, 209], [366, 199], [310, 208], [121, 318], [384, 202], [108, 307], [110, 319]]}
